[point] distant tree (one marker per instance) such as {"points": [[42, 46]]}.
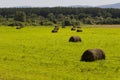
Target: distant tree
{"points": [[82, 15], [60, 17], [88, 20], [20, 16], [17, 23], [67, 23], [75, 22], [51, 16]]}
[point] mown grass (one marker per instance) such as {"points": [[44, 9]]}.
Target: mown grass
{"points": [[34, 53]]}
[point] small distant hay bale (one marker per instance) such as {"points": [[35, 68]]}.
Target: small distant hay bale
{"points": [[56, 28], [74, 26], [75, 39], [54, 31], [73, 29], [18, 27], [79, 30], [63, 26], [78, 27], [92, 55]]}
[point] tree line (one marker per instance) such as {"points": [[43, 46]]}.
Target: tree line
{"points": [[64, 16]]}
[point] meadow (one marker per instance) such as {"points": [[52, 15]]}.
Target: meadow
{"points": [[34, 53]]}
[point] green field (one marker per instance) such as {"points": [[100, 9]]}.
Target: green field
{"points": [[34, 53]]}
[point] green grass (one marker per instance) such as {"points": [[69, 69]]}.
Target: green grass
{"points": [[34, 53]]}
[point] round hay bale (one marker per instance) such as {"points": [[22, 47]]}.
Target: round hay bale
{"points": [[74, 26], [78, 27], [73, 29], [54, 31], [56, 28], [92, 55], [63, 26], [18, 27], [75, 39], [79, 30]]}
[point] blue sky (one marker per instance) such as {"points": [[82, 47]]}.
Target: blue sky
{"points": [[52, 3]]}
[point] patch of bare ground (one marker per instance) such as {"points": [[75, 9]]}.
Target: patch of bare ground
{"points": [[105, 26]]}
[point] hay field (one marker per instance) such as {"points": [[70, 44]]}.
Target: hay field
{"points": [[34, 53]]}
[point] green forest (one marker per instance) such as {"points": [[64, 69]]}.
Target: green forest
{"points": [[63, 16]]}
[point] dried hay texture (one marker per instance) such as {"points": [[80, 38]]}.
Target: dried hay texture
{"points": [[92, 55], [73, 29], [75, 39], [79, 30], [54, 31]]}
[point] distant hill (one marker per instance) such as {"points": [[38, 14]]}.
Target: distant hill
{"points": [[117, 5], [85, 6]]}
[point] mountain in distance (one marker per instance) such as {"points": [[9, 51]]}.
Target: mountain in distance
{"points": [[76, 6], [116, 5]]}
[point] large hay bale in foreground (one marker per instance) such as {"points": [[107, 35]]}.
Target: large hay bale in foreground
{"points": [[92, 55], [75, 39]]}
